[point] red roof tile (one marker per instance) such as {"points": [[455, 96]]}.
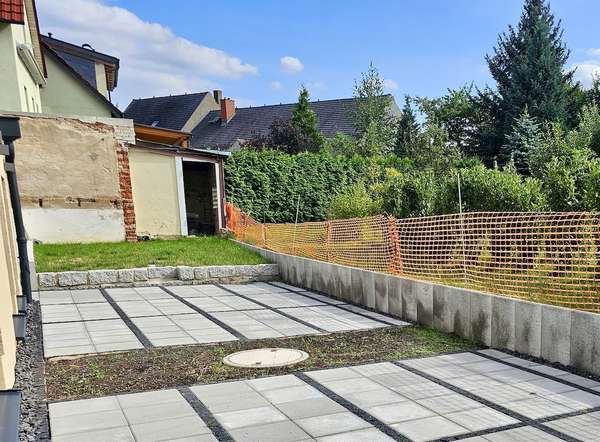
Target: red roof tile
{"points": [[12, 11]]}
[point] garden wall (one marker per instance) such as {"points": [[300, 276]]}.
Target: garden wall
{"points": [[556, 334], [154, 275]]}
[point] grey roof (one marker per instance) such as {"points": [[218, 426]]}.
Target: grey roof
{"points": [[334, 116], [170, 112], [83, 66]]}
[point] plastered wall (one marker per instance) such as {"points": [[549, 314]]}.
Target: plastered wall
{"points": [[69, 180]]}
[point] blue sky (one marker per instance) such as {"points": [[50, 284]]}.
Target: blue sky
{"points": [[420, 47]]}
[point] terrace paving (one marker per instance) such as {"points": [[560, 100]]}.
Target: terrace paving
{"points": [[101, 320], [474, 396]]}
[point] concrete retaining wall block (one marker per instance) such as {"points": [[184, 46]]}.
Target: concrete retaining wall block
{"points": [[356, 286], [201, 273], [140, 274], [261, 269], [528, 327], [345, 283], [394, 293], [556, 334], [126, 275], [409, 300], [585, 341], [167, 272], [221, 271], [424, 292], [185, 273], [381, 292], [46, 280], [71, 279], [503, 323], [368, 288], [102, 277], [481, 318]]}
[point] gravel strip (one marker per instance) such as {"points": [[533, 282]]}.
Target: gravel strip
{"points": [[30, 379]]}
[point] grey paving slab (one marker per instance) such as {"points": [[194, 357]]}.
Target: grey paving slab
{"points": [[51, 297], [196, 291], [429, 428], [141, 417], [262, 324], [585, 427], [283, 300], [332, 318], [328, 424], [223, 303], [523, 434], [368, 435]]}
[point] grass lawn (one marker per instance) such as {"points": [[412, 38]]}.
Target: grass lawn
{"points": [[207, 250], [167, 367]]}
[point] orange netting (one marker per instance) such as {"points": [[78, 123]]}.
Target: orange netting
{"points": [[552, 258]]}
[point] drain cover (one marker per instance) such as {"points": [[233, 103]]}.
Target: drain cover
{"points": [[265, 357]]}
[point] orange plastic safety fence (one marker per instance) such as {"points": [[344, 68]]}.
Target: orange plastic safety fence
{"points": [[551, 258]]}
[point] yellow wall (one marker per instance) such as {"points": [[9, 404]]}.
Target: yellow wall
{"points": [[155, 196], [18, 90], [65, 95], [9, 285]]}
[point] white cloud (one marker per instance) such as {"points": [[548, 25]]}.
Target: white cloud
{"points": [[390, 84], [316, 86], [291, 65], [586, 70], [276, 85], [593, 52], [153, 59]]}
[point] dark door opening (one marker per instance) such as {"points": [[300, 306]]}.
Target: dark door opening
{"points": [[201, 202]]}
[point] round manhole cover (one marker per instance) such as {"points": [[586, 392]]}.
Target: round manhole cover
{"points": [[265, 357]]}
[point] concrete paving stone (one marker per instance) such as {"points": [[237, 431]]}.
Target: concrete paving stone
{"points": [[60, 313], [500, 393], [170, 306], [158, 412], [377, 316], [371, 398], [197, 438], [537, 408], [521, 362], [275, 382], [118, 346], [319, 406], [368, 435], [474, 383], [522, 434], [249, 417], [399, 412], [400, 378], [543, 387], [480, 418], [375, 369], [281, 285], [584, 427], [135, 400], [95, 311], [206, 392], [55, 297], [421, 391], [82, 406], [576, 399], [429, 428], [332, 319], [88, 422], [485, 367], [135, 309], [448, 372], [580, 380], [495, 353], [513, 376], [323, 298], [290, 394], [332, 374], [284, 431], [165, 342], [118, 434], [546, 369], [461, 358], [449, 403], [235, 402], [69, 351], [355, 385], [167, 430], [331, 423]]}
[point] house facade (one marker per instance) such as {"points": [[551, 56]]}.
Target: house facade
{"points": [[40, 74]]}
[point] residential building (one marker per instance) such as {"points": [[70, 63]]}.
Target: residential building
{"points": [[222, 126], [22, 71], [41, 74]]}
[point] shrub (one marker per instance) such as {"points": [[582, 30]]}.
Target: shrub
{"points": [[410, 194], [491, 190], [266, 184], [354, 202]]}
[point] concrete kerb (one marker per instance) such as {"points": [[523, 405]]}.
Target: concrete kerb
{"points": [[154, 275], [556, 334]]}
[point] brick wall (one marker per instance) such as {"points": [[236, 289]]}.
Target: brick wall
{"points": [[126, 194]]}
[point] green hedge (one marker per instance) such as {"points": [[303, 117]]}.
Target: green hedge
{"points": [[266, 184]]}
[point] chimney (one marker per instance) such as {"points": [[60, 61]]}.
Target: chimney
{"points": [[227, 110], [218, 95]]}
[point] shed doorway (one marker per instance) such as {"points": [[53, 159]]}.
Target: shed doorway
{"points": [[201, 197]]}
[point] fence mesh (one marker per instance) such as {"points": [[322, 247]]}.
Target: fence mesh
{"points": [[552, 258]]}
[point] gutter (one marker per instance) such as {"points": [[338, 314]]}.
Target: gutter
{"points": [[9, 132]]}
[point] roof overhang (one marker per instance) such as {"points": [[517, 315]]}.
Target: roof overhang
{"points": [[169, 137], [177, 150]]}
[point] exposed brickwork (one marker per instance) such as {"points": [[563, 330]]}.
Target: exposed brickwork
{"points": [[126, 195]]}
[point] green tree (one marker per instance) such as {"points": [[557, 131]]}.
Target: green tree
{"points": [[305, 120], [408, 129], [525, 136], [528, 66], [593, 93], [373, 122]]}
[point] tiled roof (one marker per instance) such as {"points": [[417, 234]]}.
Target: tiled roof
{"points": [[334, 116], [12, 11], [83, 66], [170, 112]]}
